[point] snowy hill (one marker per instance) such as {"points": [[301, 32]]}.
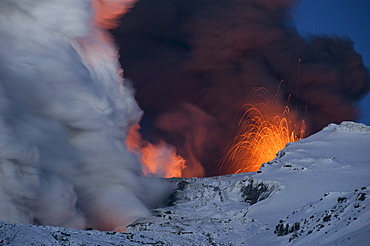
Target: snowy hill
{"points": [[315, 192]]}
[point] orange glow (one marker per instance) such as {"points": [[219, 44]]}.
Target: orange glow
{"points": [[265, 129], [158, 160], [107, 12]]}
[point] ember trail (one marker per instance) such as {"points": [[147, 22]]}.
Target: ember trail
{"points": [[265, 129]]}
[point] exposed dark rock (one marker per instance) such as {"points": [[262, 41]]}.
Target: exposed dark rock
{"points": [[342, 199], [361, 197], [326, 218], [282, 230], [256, 191]]}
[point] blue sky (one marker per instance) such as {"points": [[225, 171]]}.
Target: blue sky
{"points": [[340, 17]]}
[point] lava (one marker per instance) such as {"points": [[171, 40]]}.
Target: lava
{"points": [[265, 129], [158, 160]]}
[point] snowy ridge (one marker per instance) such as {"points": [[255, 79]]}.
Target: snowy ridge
{"points": [[208, 211], [332, 214], [315, 192], [348, 126]]}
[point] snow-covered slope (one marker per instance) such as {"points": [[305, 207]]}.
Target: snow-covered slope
{"points": [[315, 192]]}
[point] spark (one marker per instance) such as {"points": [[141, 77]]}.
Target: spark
{"points": [[264, 129]]}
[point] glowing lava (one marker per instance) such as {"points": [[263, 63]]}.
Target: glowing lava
{"points": [[158, 160], [265, 129]]}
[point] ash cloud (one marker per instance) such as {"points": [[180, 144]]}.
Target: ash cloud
{"points": [[191, 60], [64, 116]]}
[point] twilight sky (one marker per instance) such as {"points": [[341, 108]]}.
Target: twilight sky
{"points": [[342, 18]]}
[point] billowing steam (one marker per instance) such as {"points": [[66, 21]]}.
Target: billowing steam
{"points": [[194, 64], [65, 114], [64, 117]]}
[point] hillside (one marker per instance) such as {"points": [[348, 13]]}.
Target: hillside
{"points": [[315, 192]]}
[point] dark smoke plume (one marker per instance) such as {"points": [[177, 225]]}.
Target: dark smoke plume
{"points": [[194, 63]]}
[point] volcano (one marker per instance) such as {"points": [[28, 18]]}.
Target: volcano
{"points": [[315, 192], [77, 152], [195, 63]]}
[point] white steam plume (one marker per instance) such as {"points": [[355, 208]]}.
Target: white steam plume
{"points": [[64, 117]]}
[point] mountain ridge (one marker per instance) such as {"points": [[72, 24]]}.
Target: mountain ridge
{"points": [[314, 192]]}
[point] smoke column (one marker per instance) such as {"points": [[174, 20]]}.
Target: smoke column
{"points": [[194, 64], [64, 117]]}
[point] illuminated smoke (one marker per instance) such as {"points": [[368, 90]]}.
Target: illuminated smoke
{"points": [[108, 12], [64, 117], [195, 59], [159, 160]]}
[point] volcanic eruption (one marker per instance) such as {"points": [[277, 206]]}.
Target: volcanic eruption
{"points": [[74, 148], [64, 116], [264, 130], [195, 63]]}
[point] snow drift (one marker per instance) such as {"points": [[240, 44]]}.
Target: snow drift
{"points": [[64, 116]]}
